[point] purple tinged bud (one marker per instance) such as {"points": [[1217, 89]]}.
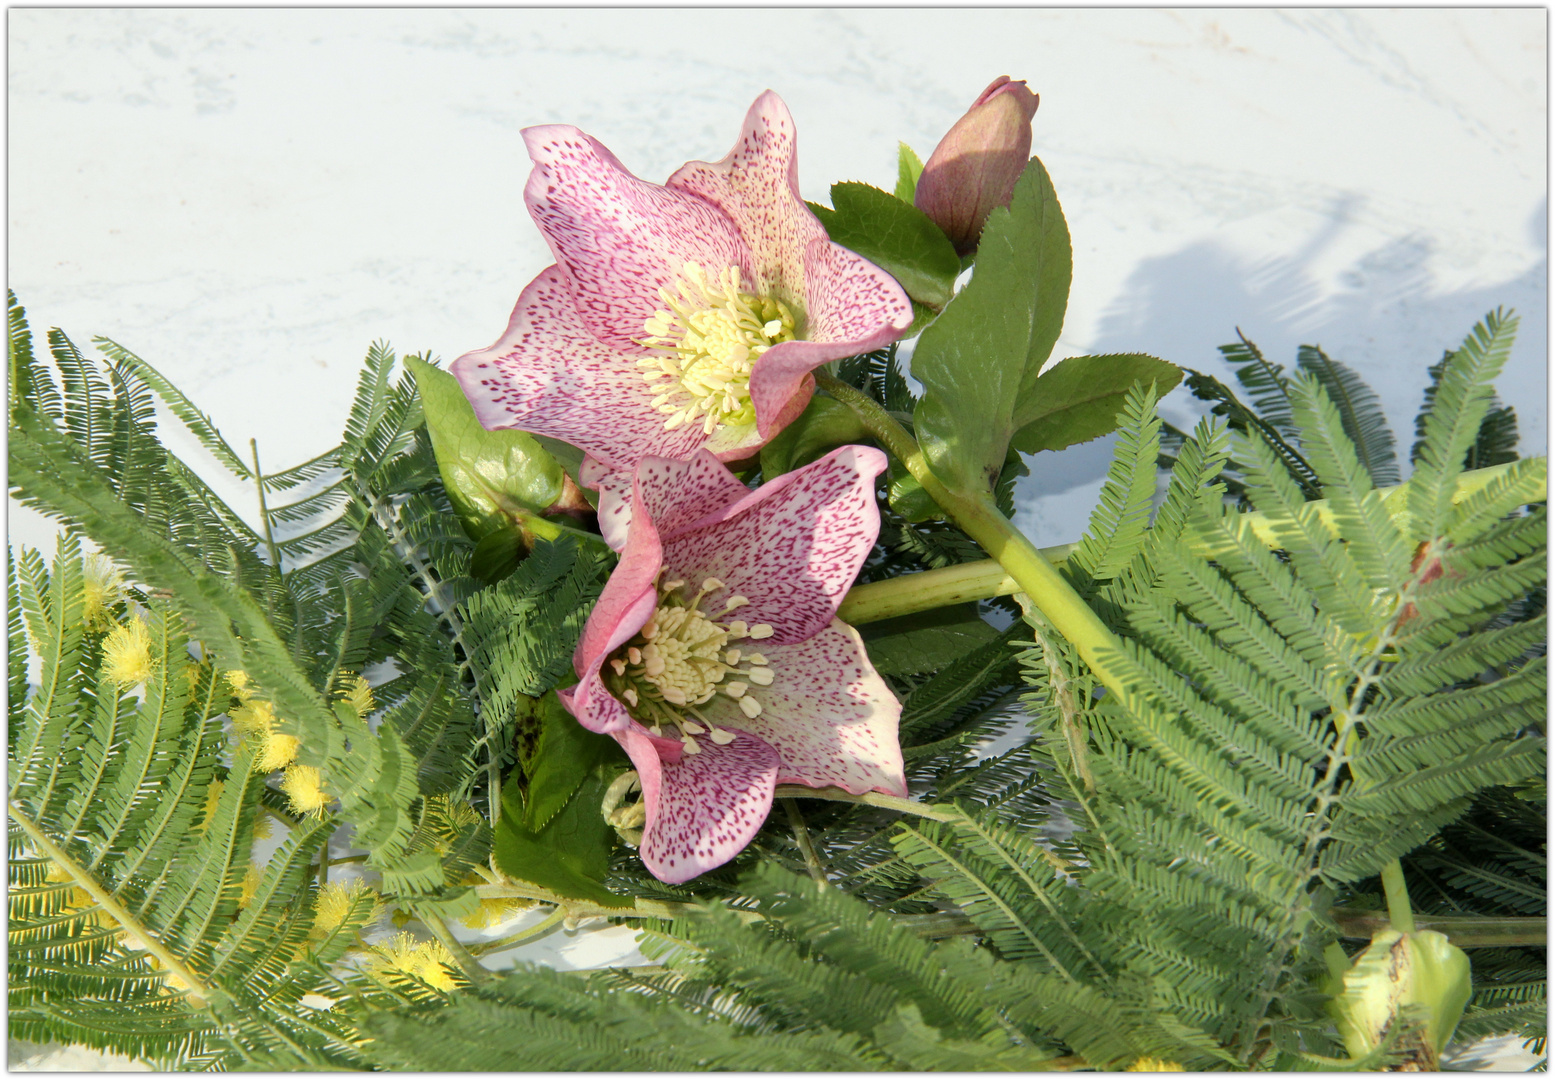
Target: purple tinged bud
{"points": [[976, 164]]}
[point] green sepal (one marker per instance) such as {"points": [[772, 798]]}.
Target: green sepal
{"points": [[894, 235], [489, 475], [552, 831], [979, 361], [1078, 399], [908, 168], [824, 425], [925, 641]]}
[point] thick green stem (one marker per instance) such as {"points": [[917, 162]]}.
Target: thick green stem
{"points": [[467, 963], [1400, 914], [978, 517], [910, 593], [869, 798], [1464, 931], [522, 937]]}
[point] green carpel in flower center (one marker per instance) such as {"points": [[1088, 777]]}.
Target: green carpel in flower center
{"points": [[681, 658], [706, 340]]}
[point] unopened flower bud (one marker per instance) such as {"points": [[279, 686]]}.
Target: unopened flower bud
{"points": [[1421, 969], [976, 164]]}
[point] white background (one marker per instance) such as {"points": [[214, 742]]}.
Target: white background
{"points": [[247, 199]]}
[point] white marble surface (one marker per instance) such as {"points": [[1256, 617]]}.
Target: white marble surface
{"points": [[248, 198]]}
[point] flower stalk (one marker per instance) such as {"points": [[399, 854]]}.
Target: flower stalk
{"points": [[979, 518]]}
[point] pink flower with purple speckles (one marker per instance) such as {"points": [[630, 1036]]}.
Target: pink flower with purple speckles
{"points": [[715, 658], [679, 317]]}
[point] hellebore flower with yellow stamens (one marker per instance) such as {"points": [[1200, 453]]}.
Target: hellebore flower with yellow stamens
{"points": [[715, 658], [677, 317]]}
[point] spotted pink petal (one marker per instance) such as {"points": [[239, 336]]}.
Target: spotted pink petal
{"points": [[624, 606], [619, 239], [676, 494], [702, 808], [829, 715], [849, 305], [793, 547], [757, 186], [548, 374], [615, 500]]}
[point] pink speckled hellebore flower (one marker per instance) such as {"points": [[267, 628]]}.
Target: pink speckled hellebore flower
{"points": [[974, 168], [715, 658], [676, 318]]}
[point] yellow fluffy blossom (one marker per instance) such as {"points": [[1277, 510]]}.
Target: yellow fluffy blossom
{"points": [[250, 886], [1152, 1064], [428, 961], [255, 719], [335, 901], [240, 683], [494, 910], [102, 589], [305, 788], [212, 798], [356, 692], [127, 653]]}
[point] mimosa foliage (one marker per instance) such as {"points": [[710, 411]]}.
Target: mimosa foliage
{"points": [[1313, 690]]}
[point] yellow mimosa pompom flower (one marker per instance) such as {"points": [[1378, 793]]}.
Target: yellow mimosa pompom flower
{"points": [[240, 683], [250, 886], [428, 961], [127, 653], [335, 901], [277, 752], [256, 718], [357, 692], [305, 788], [1152, 1064], [102, 588], [208, 813]]}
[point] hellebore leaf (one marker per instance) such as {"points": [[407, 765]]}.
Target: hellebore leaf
{"points": [[908, 497], [980, 360], [895, 236], [909, 166], [488, 474], [926, 641], [551, 831], [824, 425], [1077, 400]]}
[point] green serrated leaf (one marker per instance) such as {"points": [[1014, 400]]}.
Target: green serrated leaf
{"points": [[564, 755], [979, 361], [824, 425], [894, 235], [926, 641], [487, 474], [1078, 399], [570, 852], [908, 168]]}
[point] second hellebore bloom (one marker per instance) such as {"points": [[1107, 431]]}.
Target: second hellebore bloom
{"points": [[974, 168], [715, 658], [676, 318]]}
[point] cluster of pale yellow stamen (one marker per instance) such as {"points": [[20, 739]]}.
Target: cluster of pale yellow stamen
{"points": [[707, 337], [681, 658]]}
